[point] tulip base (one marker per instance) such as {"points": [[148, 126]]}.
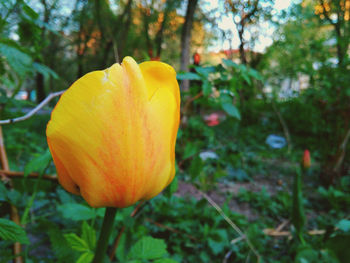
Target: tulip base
{"points": [[102, 243]]}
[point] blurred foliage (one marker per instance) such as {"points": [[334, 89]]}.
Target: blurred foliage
{"points": [[298, 87]]}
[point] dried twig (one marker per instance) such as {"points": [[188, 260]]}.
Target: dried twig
{"points": [[275, 233], [233, 225], [282, 225], [17, 248], [11, 174], [33, 111], [190, 100]]}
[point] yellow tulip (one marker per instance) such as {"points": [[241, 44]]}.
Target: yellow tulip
{"points": [[112, 134]]}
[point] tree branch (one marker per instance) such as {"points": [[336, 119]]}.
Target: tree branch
{"points": [[325, 13], [12, 174], [33, 111]]}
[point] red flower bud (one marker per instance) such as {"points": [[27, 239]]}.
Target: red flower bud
{"points": [[306, 163], [196, 58]]}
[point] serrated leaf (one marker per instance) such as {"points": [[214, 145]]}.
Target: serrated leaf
{"points": [[87, 257], [148, 248], [231, 110], [59, 245], [76, 212], [38, 164], [76, 243], [12, 232], [89, 235]]}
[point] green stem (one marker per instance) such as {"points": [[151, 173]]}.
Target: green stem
{"points": [[102, 243], [32, 198], [30, 203]]}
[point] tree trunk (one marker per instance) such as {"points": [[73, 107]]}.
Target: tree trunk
{"points": [[241, 45], [160, 33], [40, 89], [125, 29], [186, 39]]}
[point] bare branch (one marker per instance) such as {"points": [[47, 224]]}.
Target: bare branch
{"points": [[325, 13], [35, 110], [12, 174]]}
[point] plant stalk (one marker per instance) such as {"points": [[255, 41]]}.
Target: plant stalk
{"points": [[102, 243]]}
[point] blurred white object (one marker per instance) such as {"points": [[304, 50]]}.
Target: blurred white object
{"points": [[208, 155], [21, 95], [275, 141]]}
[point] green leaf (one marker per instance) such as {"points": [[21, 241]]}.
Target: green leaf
{"points": [[12, 232], [76, 212], [59, 245], [38, 164], [188, 75], [173, 186], [255, 74], [340, 246], [46, 71], [206, 88], [216, 247], [246, 78], [231, 110], [343, 225], [306, 254], [190, 150], [298, 213], [29, 11], [76, 243], [230, 63], [19, 61], [205, 71], [3, 192], [89, 235], [14, 197], [87, 257], [148, 248]]}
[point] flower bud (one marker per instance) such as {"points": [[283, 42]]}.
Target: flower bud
{"points": [[196, 59], [306, 162], [112, 134]]}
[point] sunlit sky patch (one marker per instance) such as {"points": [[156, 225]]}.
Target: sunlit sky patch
{"points": [[225, 23]]}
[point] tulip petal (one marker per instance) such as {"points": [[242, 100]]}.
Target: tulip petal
{"points": [[164, 95], [160, 75], [113, 140]]}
